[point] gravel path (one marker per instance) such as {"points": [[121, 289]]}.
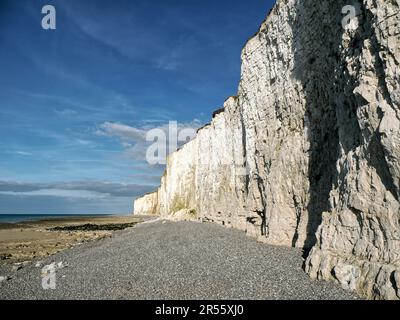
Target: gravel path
{"points": [[166, 260]]}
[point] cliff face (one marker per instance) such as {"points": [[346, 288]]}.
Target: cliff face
{"points": [[147, 205], [358, 241], [307, 154]]}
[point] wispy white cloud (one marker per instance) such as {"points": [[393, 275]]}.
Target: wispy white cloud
{"points": [[90, 189], [138, 133], [18, 152], [61, 72], [23, 153], [60, 193], [86, 143], [122, 131], [66, 112], [133, 139]]}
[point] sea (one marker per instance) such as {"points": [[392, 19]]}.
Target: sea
{"points": [[13, 218]]}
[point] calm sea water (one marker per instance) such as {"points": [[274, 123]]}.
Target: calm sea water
{"points": [[12, 218]]}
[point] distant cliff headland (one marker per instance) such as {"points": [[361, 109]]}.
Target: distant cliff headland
{"points": [[307, 153]]}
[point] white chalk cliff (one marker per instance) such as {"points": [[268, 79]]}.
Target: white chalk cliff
{"points": [[307, 153]]}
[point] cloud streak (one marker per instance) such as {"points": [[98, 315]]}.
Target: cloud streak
{"points": [[60, 193], [122, 131], [74, 189], [133, 139]]}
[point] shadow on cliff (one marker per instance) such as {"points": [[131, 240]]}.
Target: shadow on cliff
{"points": [[317, 38], [331, 105]]}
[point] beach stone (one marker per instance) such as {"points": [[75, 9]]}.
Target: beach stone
{"points": [[17, 266], [397, 281], [61, 265], [4, 278], [194, 261], [5, 256], [347, 275]]}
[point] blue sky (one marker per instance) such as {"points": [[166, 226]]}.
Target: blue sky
{"points": [[75, 102]]}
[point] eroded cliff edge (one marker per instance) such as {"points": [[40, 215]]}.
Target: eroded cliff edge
{"points": [[307, 154]]}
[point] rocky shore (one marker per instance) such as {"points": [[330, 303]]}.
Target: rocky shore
{"points": [[27, 241], [170, 260]]}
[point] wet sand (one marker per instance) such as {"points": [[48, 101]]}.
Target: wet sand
{"points": [[26, 241]]}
